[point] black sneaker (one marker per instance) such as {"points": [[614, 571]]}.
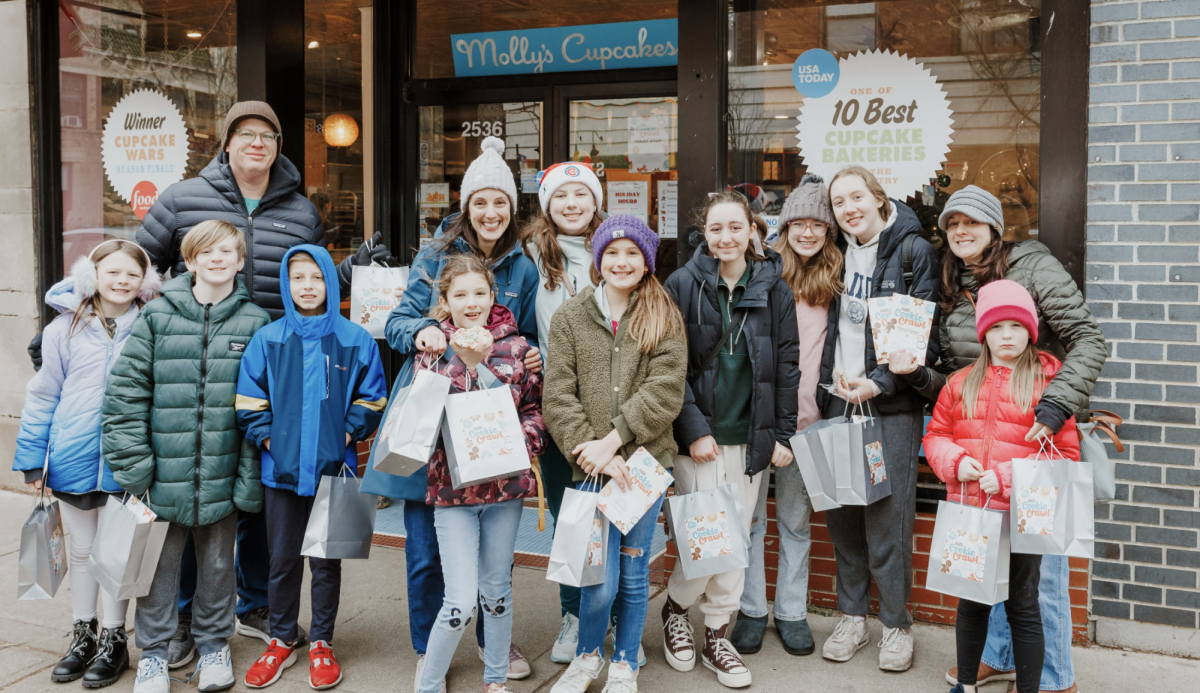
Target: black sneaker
{"points": [[182, 647], [257, 624], [80, 652], [111, 660]]}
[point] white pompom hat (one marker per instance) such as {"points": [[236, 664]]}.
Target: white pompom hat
{"points": [[490, 170]]}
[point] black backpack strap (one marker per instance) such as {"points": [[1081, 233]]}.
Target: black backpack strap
{"points": [[712, 355], [906, 261]]}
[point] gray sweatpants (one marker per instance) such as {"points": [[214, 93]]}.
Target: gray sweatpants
{"points": [[215, 603], [875, 541]]}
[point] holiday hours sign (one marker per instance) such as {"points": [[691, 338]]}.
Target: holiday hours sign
{"points": [[145, 147], [878, 109]]}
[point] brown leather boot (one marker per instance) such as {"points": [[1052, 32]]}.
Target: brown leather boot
{"points": [[986, 675], [720, 657], [678, 643]]}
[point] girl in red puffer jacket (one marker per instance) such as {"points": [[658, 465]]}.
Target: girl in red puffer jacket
{"points": [[983, 421]]}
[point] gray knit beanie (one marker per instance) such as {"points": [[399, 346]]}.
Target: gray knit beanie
{"points": [[810, 200], [489, 171], [977, 203]]}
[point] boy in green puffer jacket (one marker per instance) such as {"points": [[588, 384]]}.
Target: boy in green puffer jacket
{"points": [[169, 429]]}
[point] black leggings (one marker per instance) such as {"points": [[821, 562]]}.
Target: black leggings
{"points": [[1024, 618]]}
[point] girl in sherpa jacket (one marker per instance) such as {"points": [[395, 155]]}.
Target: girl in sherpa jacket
{"points": [[60, 427]]}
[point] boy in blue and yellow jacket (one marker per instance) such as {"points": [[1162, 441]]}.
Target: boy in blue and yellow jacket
{"points": [[310, 387]]}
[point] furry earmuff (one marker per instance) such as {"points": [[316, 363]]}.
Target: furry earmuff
{"points": [[84, 274]]}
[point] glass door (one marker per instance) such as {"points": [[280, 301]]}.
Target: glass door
{"points": [[631, 144], [450, 139]]}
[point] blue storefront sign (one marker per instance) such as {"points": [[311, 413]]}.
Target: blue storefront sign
{"points": [[653, 43]]}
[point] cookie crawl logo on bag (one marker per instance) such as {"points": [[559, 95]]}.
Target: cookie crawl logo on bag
{"points": [[482, 432], [1035, 510], [596, 543], [963, 555], [708, 536], [375, 304], [875, 462]]}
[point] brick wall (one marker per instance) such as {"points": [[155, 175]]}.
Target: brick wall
{"points": [[1143, 278]]}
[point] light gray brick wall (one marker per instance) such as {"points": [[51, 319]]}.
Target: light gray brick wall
{"points": [[1143, 284]]}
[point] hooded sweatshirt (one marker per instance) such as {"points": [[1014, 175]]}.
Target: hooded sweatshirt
{"points": [[577, 262], [64, 399], [305, 383], [860, 260]]}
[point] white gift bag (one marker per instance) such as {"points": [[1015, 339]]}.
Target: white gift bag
{"points": [[409, 434], [127, 547], [580, 540], [42, 560], [969, 556], [483, 436], [373, 295], [1052, 507], [709, 527]]}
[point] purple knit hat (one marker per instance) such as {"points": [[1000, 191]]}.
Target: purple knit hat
{"points": [[625, 226]]}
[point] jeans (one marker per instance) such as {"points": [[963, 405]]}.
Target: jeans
{"points": [[1054, 601], [1029, 646], [624, 594], [157, 613], [792, 511], [478, 543], [423, 562], [251, 564], [287, 518]]}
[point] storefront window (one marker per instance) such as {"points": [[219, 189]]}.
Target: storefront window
{"points": [[338, 121], [631, 144], [984, 55], [438, 19], [144, 87], [451, 136]]}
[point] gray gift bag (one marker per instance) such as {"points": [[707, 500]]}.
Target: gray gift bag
{"points": [[709, 528], [580, 539], [969, 557], [859, 469], [127, 547], [815, 466], [42, 563], [409, 434], [1052, 508], [342, 521]]}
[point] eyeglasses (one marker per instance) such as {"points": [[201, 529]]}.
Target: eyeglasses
{"points": [[268, 138], [818, 228]]}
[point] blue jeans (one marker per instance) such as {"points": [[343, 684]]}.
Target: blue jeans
{"points": [[477, 543], [627, 583], [251, 564], [423, 563], [1054, 600], [792, 511]]}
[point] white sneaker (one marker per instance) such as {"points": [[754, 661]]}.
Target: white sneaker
{"points": [[215, 671], [420, 668], [152, 676], [621, 678], [583, 670], [896, 649], [567, 642], [848, 637]]}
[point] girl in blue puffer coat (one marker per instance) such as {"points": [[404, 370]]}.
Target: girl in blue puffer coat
{"points": [[60, 433]]}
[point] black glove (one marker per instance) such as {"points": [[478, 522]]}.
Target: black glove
{"points": [[35, 351], [370, 251]]}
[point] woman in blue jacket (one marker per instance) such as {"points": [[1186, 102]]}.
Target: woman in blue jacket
{"points": [[60, 432], [487, 228]]}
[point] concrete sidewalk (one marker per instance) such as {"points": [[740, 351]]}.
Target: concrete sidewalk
{"points": [[373, 644]]}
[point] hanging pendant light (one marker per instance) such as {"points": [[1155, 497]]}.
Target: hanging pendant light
{"points": [[340, 130]]}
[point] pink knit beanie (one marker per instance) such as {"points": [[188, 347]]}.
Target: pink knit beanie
{"points": [[1005, 300]]}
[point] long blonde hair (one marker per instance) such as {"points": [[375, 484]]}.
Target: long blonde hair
{"points": [[817, 280], [1025, 385], [654, 315]]}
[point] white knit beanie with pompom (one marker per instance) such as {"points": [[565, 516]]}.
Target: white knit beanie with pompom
{"points": [[490, 170]]}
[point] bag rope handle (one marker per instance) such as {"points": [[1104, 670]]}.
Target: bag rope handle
{"points": [[536, 465]]}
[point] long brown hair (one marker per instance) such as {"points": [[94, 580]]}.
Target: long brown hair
{"points": [[461, 228], [654, 316], [734, 198], [873, 186], [456, 266], [992, 266], [91, 306], [542, 232], [1025, 385], [817, 280]]}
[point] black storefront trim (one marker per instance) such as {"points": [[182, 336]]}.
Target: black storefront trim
{"points": [[44, 125]]}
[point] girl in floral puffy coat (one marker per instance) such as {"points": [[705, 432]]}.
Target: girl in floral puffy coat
{"points": [[981, 423], [477, 525]]}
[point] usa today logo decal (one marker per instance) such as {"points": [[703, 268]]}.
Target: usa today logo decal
{"points": [[815, 73]]}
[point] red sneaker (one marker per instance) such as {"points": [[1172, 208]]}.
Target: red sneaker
{"points": [[270, 665], [323, 669]]}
